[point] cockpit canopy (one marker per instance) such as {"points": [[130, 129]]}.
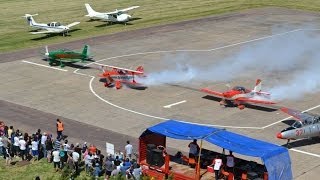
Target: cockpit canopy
{"points": [[241, 89], [54, 24], [297, 124]]}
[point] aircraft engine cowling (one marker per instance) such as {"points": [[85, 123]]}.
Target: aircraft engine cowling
{"points": [[123, 17]]}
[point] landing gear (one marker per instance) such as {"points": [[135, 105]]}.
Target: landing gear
{"points": [[241, 106]]}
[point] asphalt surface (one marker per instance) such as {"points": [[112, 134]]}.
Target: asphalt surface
{"points": [[29, 91]]}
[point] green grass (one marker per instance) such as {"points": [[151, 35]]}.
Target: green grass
{"points": [[14, 31]]}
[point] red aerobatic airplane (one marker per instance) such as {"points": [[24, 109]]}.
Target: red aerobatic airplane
{"points": [[113, 76], [240, 96]]}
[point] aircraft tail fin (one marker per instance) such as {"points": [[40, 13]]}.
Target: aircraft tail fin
{"points": [[29, 18], [140, 68], [90, 11], [257, 88], [86, 50]]}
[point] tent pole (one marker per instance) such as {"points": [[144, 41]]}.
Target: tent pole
{"points": [[198, 163]]}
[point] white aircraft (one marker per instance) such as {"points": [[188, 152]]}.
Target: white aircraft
{"points": [[52, 27], [114, 16]]}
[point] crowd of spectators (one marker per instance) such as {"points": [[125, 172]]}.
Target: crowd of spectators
{"points": [[21, 146]]}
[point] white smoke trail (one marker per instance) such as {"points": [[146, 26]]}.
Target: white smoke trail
{"points": [[302, 83], [275, 54]]}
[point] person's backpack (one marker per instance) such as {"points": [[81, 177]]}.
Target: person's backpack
{"points": [[62, 154]]}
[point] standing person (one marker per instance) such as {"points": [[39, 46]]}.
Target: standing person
{"points": [[128, 150], [60, 128], [23, 148], [8, 155], [34, 148], [2, 151], [75, 157], [109, 167], [217, 163], [44, 138], [78, 149], [56, 159], [10, 131], [193, 149], [16, 144], [49, 148], [230, 162]]}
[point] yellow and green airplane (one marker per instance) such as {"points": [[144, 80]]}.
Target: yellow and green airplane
{"points": [[63, 56]]}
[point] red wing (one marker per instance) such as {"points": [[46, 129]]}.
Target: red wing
{"points": [[119, 68], [211, 92], [254, 101]]}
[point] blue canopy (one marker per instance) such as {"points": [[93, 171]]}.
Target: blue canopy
{"points": [[276, 158]]}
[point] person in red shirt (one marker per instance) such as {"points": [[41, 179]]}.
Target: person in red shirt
{"points": [[92, 149]]}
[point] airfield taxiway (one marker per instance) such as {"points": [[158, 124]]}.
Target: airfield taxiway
{"points": [[76, 93]]}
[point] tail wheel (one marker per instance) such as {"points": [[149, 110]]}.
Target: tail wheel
{"points": [[241, 107], [222, 103]]}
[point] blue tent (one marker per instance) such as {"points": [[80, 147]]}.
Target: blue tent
{"points": [[276, 158]]}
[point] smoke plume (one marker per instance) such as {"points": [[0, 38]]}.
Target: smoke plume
{"points": [[278, 53]]}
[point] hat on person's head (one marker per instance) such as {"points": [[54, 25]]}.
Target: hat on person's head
{"points": [[20, 137], [85, 143], [44, 133], [77, 144], [97, 164]]}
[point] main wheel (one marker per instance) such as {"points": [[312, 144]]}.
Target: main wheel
{"points": [[241, 106]]}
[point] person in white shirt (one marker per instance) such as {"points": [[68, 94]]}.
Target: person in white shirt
{"points": [[56, 159], [2, 150], [43, 144], [34, 148], [129, 150], [16, 145], [75, 158], [88, 161], [23, 149], [217, 163]]}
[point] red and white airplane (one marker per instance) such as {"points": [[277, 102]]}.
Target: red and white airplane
{"points": [[113, 76], [240, 96]]}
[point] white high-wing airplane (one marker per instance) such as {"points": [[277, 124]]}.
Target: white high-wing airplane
{"points": [[52, 27], [114, 16]]}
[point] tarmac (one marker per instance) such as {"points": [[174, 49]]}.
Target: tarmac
{"points": [[34, 94]]}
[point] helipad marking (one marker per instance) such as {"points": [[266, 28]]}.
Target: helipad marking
{"points": [[170, 105], [304, 152], [44, 65]]}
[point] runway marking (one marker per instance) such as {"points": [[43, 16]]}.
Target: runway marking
{"points": [[44, 65], [304, 152], [114, 105], [170, 105], [312, 108]]}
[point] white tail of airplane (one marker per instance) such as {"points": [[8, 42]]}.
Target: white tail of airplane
{"points": [[30, 19], [90, 11], [257, 88]]}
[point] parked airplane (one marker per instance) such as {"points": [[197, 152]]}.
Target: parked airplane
{"points": [[240, 96], [52, 27], [62, 56], [306, 126], [116, 76], [114, 16]]}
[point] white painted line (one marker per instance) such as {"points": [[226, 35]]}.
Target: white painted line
{"points": [[114, 105], [222, 126], [304, 152], [44, 65], [312, 108], [170, 105]]}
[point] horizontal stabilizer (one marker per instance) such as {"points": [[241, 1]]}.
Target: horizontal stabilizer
{"points": [[72, 24]]}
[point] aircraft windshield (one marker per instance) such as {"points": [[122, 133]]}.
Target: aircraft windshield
{"points": [[297, 124], [239, 88]]}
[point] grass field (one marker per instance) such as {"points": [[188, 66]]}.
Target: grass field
{"points": [[14, 31]]}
